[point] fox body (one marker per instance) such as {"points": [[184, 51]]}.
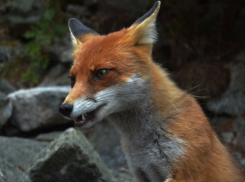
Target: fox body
{"points": [[165, 134]]}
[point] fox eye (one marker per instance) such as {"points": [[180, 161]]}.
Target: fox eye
{"points": [[72, 81], [101, 74]]}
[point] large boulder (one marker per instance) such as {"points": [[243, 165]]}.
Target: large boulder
{"points": [[70, 158], [37, 107], [16, 156]]}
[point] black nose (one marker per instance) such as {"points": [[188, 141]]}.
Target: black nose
{"points": [[65, 109]]}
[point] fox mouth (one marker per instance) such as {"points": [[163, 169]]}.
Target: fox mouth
{"points": [[83, 119]]}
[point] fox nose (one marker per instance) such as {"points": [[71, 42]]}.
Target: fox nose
{"points": [[65, 109]]}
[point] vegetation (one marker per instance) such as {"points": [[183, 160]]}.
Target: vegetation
{"points": [[41, 37]]}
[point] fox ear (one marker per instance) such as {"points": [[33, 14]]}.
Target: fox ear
{"points": [[79, 32], [143, 30]]}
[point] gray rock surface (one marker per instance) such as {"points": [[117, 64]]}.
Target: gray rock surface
{"points": [[48, 137], [6, 54], [6, 109], [138, 7], [78, 10], [231, 103], [239, 128], [16, 156], [62, 50], [239, 158], [6, 87], [237, 68], [57, 76], [37, 107], [106, 141], [69, 158], [21, 12]]}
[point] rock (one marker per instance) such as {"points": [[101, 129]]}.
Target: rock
{"points": [[89, 2], [218, 120], [16, 156], [106, 141], [237, 68], [69, 158], [137, 7], [123, 176], [6, 109], [239, 158], [6, 87], [57, 76], [62, 50], [77, 10], [22, 13], [239, 128], [6, 54], [37, 107], [228, 137], [230, 103], [48, 137]]}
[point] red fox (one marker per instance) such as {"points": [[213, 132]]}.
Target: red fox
{"points": [[165, 134]]}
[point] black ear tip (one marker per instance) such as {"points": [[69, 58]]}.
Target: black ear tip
{"points": [[157, 4]]}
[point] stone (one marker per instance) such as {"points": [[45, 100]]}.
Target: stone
{"points": [[228, 137], [38, 108], [138, 7], [6, 109], [239, 158], [6, 87], [62, 50], [57, 76], [216, 121], [48, 137], [89, 2], [24, 12], [77, 10], [237, 69], [69, 158], [239, 128], [6, 54], [230, 103], [106, 141], [17, 155]]}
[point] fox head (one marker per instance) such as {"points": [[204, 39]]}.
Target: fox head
{"points": [[110, 73]]}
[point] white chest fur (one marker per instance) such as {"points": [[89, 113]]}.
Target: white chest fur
{"points": [[149, 150]]}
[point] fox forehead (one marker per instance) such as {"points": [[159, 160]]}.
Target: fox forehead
{"points": [[100, 50], [114, 51]]}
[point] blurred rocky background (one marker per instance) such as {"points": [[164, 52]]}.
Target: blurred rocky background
{"points": [[201, 43]]}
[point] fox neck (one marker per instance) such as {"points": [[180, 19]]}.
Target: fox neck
{"points": [[153, 112]]}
